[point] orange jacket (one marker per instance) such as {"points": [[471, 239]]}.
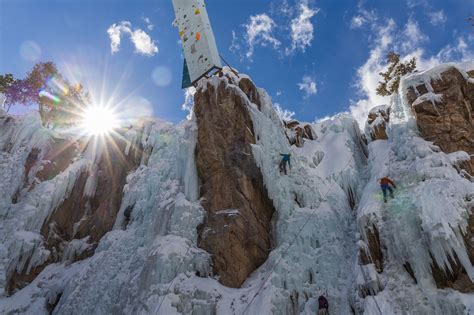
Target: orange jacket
{"points": [[386, 181]]}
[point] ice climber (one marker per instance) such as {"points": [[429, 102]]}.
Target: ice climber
{"points": [[127, 214], [385, 183], [284, 161], [323, 305]]}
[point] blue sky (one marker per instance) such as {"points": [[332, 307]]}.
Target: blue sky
{"points": [[315, 58]]}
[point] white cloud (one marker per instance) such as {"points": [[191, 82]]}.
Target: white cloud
{"points": [[143, 43], [368, 74], [413, 36], [358, 21], [409, 40], [458, 52], [302, 28], [308, 86], [234, 46], [141, 40], [437, 17], [259, 32], [327, 117], [414, 3], [148, 23], [114, 32], [364, 17], [285, 25], [285, 8], [284, 114]]}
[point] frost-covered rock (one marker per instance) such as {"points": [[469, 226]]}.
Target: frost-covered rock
{"points": [[377, 123], [442, 99], [422, 231], [67, 190], [297, 132]]}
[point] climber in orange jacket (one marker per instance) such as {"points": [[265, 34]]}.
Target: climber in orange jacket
{"points": [[385, 183]]}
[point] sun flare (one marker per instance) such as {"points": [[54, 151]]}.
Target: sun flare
{"points": [[99, 120]]}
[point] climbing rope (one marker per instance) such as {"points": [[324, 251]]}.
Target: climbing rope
{"points": [[230, 67], [292, 242]]}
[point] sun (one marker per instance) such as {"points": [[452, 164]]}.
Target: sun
{"points": [[99, 120]]}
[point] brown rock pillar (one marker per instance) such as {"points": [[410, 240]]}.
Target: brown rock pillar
{"points": [[237, 227]]}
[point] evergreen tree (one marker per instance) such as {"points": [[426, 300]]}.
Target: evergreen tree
{"points": [[6, 82], [391, 77]]}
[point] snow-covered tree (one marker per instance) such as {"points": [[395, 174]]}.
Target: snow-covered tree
{"points": [[396, 70]]}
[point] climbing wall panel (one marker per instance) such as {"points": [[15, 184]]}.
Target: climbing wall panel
{"points": [[197, 37]]}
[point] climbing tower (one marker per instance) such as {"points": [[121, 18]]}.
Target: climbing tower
{"points": [[201, 56]]}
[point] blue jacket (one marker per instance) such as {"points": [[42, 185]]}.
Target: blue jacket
{"points": [[286, 158]]}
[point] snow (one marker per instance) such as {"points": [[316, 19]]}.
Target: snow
{"points": [[324, 207], [378, 109], [458, 157], [2, 102], [380, 112], [228, 212], [428, 97], [466, 65], [75, 248], [425, 77]]}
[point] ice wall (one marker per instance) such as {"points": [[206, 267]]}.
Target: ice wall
{"points": [[422, 226], [323, 207]]}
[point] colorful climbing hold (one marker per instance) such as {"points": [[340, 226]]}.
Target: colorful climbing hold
{"points": [[181, 34], [197, 12], [198, 36]]}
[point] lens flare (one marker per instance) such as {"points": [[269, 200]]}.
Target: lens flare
{"points": [[54, 98], [57, 85], [99, 121]]}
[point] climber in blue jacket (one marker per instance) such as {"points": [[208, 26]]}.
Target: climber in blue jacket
{"points": [[284, 160]]}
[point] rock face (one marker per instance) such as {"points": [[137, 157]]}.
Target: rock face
{"points": [[373, 253], [237, 228], [377, 122], [457, 278], [445, 111], [81, 219], [296, 132], [81, 215]]}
